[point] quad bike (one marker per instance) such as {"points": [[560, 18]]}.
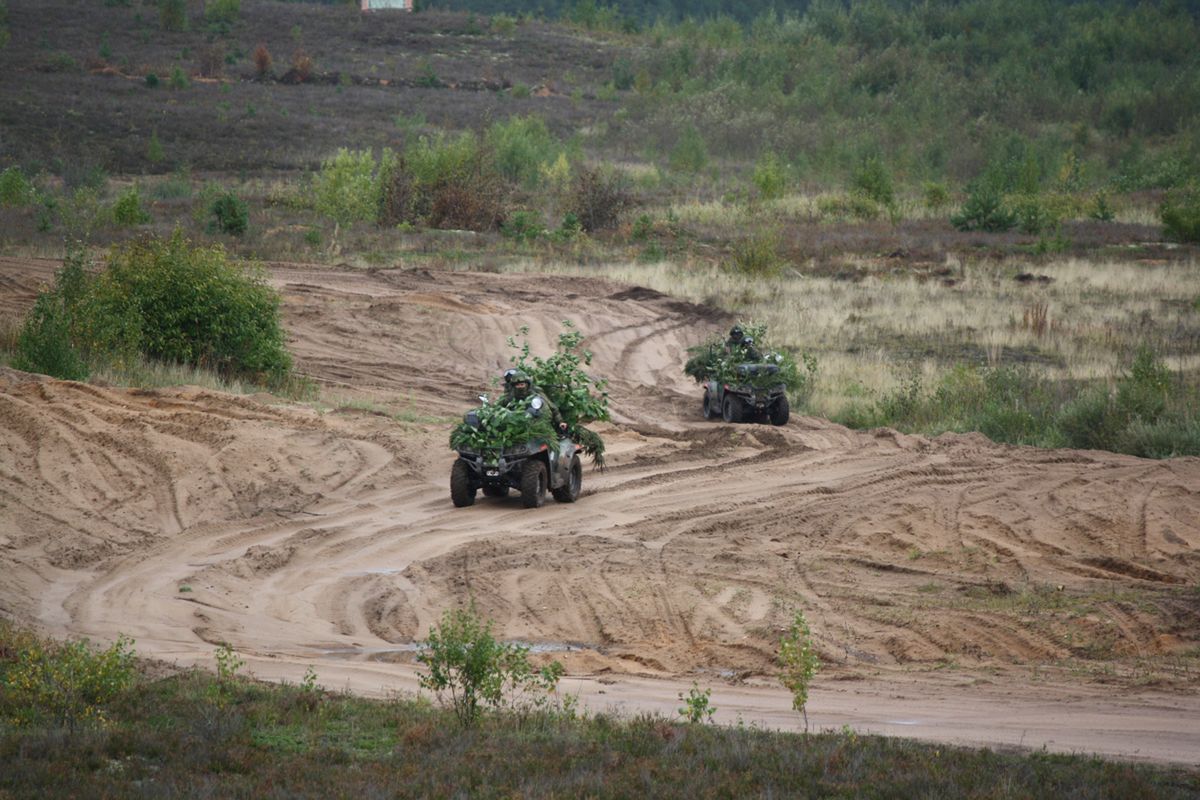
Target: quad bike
{"points": [[532, 467], [750, 399]]}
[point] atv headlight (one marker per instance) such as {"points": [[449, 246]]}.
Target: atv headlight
{"points": [[471, 418], [535, 407]]}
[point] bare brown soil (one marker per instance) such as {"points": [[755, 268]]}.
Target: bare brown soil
{"points": [[957, 589]]}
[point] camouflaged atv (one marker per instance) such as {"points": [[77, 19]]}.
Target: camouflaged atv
{"points": [[749, 395], [501, 447]]}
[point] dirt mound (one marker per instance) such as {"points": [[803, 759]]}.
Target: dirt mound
{"points": [[186, 517]]}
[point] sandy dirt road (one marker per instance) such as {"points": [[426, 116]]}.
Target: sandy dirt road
{"points": [[958, 590]]}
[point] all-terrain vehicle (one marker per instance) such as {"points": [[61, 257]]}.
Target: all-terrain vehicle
{"points": [[537, 462], [750, 397]]}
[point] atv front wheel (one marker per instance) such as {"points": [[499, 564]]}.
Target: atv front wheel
{"points": [[731, 409], [462, 492], [780, 411], [709, 411], [495, 491], [533, 483], [569, 491]]}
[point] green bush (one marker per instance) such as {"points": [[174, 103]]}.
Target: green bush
{"points": [[520, 147], [798, 658], [198, 307], [757, 255], [984, 210], [770, 176], [471, 670], [598, 198], [128, 211], [523, 226], [1180, 214], [1034, 214], [15, 189], [873, 180], [162, 299], [346, 189], [935, 195], [66, 684], [172, 15], [229, 215], [690, 154], [222, 12], [46, 344], [178, 79]]}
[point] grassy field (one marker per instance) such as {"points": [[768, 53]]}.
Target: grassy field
{"points": [[112, 727]]}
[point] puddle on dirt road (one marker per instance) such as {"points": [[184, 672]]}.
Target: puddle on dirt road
{"points": [[387, 653]]}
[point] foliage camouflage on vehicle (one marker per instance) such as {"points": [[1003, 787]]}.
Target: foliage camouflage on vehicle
{"points": [[580, 398], [712, 361], [501, 427], [562, 379]]}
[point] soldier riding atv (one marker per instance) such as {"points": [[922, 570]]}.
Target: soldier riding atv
{"points": [[740, 383], [520, 442]]}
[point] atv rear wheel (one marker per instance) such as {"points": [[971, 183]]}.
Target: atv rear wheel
{"points": [[709, 411], [569, 491], [495, 491], [780, 411], [533, 483], [462, 492], [731, 409]]}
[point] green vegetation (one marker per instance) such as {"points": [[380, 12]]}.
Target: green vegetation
{"points": [[16, 190], [1180, 213], [238, 738], [799, 662], [697, 706], [229, 214], [162, 299], [470, 671], [1147, 411], [128, 211], [580, 398]]}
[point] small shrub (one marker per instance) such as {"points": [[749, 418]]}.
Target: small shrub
{"points": [[1034, 215], [503, 25], [154, 149], [1101, 208], [598, 199], [696, 707], [15, 189], [471, 671], [643, 228], [770, 177], [690, 153], [1180, 214], [523, 226], [873, 180], [569, 229], [302, 65], [229, 215], [179, 79], [212, 60], [312, 237], [152, 80], [172, 15], [984, 211], [45, 344], [345, 189], [222, 12], [935, 196], [428, 79], [757, 255], [128, 209], [70, 682], [520, 147], [798, 657], [262, 60]]}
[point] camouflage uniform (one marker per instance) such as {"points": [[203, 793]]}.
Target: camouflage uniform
{"points": [[513, 399]]}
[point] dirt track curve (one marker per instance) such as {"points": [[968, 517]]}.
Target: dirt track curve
{"points": [[947, 580]]}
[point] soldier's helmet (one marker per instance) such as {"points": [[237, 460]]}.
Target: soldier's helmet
{"points": [[508, 375], [520, 383], [735, 333]]}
